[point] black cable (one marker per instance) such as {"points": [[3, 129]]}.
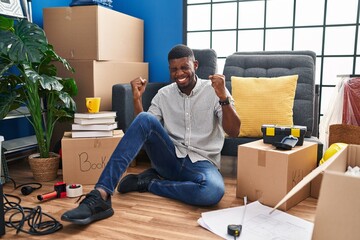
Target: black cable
{"points": [[17, 216], [26, 187]]}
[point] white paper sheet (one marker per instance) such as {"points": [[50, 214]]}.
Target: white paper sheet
{"points": [[258, 223]]}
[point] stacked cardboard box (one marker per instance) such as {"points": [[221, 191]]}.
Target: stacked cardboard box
{"points": [[105, 47], [94, 32]]}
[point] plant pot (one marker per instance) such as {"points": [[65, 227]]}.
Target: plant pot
{"points": [[44, 169]]}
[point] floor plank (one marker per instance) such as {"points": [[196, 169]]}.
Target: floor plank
{"points": [[137, 215]]}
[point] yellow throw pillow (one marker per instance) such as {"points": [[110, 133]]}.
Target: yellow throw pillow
{"points": [[261, 101]]}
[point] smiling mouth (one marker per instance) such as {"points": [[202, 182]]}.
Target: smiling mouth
{"points": [[181, 80]]}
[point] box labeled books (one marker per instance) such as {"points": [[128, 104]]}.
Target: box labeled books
{"points": [[84, 159]]}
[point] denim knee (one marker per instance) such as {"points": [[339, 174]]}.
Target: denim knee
{"points": [[210, 195], [145, 116]]}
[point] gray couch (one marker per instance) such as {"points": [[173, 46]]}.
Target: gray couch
{"points": [[244, 64]]}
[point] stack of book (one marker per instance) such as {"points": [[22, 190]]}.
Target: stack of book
{"points": [[101, 124]]}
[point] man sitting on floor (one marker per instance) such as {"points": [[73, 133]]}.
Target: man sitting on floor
{"points": [[182, 133]]}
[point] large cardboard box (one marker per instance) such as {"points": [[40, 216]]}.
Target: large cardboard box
{"points": [[267, 174], [338, 209], [83, 159], [96, 79], [94, 32]]}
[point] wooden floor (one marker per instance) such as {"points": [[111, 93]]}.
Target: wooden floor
{"points": [[137, 215]]}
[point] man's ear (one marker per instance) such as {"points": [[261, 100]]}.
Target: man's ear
{"points": [[196, 64]]}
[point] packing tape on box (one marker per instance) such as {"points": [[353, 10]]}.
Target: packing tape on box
{"points": [[74, 190]]}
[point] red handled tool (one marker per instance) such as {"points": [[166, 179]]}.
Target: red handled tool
{"points": [[60, 192]]}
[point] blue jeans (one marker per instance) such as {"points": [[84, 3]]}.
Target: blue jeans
{"points": [[198, 183]]}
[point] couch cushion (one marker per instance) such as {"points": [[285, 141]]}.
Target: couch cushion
{"points": [[280, 63], [261, 101]]}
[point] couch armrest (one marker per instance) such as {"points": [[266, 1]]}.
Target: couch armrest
{"points": [[122, 102]]}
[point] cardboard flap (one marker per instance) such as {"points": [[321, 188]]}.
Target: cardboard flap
{"points": [[308, 178], [338, 206]]}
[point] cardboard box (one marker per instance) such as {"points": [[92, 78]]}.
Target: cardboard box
{"points": [[275, 133], [94, 33], [83, 159], [96, 79], [267, 174], [337, 213], [315, 185]]}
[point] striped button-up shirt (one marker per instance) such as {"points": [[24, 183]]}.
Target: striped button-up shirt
{"points": [[193, 122]]}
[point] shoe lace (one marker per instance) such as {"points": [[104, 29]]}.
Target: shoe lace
{"points": [[80, 197], [90, 198]]}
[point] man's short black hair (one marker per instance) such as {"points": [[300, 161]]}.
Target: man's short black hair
{"points": [[180, 51]]}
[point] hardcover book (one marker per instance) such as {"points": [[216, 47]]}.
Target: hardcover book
{"points": [[94, 127], [102, 114], [84, 121]]}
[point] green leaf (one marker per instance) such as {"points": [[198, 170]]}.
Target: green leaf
{"points": [[50, 83], [26, 43], [70, 86], [28, 76], [67, 101], [56, 57], [6, 23], [7, 104], [5, 64], [47, 67], [31, 74]]}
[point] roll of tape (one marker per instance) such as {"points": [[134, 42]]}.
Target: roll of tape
{"points": [[74, 190]]}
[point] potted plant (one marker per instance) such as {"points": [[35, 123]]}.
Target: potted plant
{"points": [[28, 77]]}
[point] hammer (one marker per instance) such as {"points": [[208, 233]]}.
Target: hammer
{"points": [[60, 192]]}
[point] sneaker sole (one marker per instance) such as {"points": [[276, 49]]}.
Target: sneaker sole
{"points": [[96, 217]]}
